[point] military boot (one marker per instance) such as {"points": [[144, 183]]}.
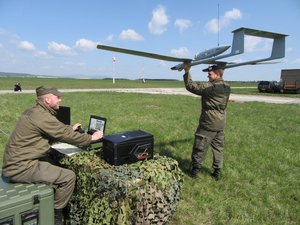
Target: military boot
{"points": [[194, 172], [216, 174], [58, 216]]}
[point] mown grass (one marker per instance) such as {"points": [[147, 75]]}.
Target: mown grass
{"points": [[261, 176], [7, 83]]}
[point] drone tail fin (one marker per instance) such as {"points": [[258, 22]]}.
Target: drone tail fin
{"points": [[278, 49], [238, 42]]}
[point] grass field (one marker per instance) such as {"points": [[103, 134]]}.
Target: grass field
{"points": [[7, 83], [261, 175]]}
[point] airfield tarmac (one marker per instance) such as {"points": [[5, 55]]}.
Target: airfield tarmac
{"points": [[178, 91]]}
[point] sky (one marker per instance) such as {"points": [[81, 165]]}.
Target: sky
{"points": [[59, 37]]}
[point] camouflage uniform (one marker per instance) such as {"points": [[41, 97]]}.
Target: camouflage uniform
{"points": [[210, 131]]}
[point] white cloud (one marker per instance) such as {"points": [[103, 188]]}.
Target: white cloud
{"points": [[1, 45], [109, 37], [162, 63], [183, 51], [158, 21], [68, 63], [85, 45], [130, 35], [60, 49], [183, 24], [268, 44], [41, 54], [11, 36], [25, 45], [213, 25], [251, 43], [296, 61], [2, 31], [234, 14]]}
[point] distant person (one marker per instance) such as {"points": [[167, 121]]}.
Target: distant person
{"points": [[18, 87], [27, 155], [210, 132]]}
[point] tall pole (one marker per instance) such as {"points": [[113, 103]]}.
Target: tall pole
{"points": [[218, 24], [143, 75], [114, 61]]}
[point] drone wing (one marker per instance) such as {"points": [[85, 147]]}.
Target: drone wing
{"points": [[144, 54], [278, 50]]}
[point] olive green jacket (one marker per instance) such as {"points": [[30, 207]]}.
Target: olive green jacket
{"points": [[214, 98], [35, 131]]}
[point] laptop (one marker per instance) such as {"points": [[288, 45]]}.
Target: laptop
{"points": [[96, 123]]}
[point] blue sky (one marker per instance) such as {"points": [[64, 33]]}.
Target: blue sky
{"points": [[59, 37]]}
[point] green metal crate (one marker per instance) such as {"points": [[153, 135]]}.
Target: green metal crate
{"points": [[24, 204]]}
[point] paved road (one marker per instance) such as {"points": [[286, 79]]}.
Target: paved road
{"points": [[179, 91]]}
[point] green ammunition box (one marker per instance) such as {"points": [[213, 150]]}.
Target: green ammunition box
{"points": [[26, 204]]}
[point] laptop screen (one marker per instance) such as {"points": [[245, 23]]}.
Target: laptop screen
{"points": [[97, 123]]}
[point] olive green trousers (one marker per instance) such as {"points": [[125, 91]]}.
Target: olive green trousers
{"points": [[203, 140], [62, 180]]}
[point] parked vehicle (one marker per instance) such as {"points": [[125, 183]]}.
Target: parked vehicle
{"points": [[268, 86], [290, 81]]}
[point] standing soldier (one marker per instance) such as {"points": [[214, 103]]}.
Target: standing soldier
{"points": [[210, 132]]}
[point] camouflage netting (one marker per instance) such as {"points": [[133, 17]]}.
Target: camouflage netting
{"points": [[145, 192]]}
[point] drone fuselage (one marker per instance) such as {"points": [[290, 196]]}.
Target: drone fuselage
{"points": [[211, 52]]}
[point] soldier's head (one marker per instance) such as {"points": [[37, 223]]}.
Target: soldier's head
{"points": [[214, 72], [49, 96]]}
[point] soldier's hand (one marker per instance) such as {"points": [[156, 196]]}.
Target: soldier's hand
{"points": [[186, 67], [97, 135], [76, 126]]}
